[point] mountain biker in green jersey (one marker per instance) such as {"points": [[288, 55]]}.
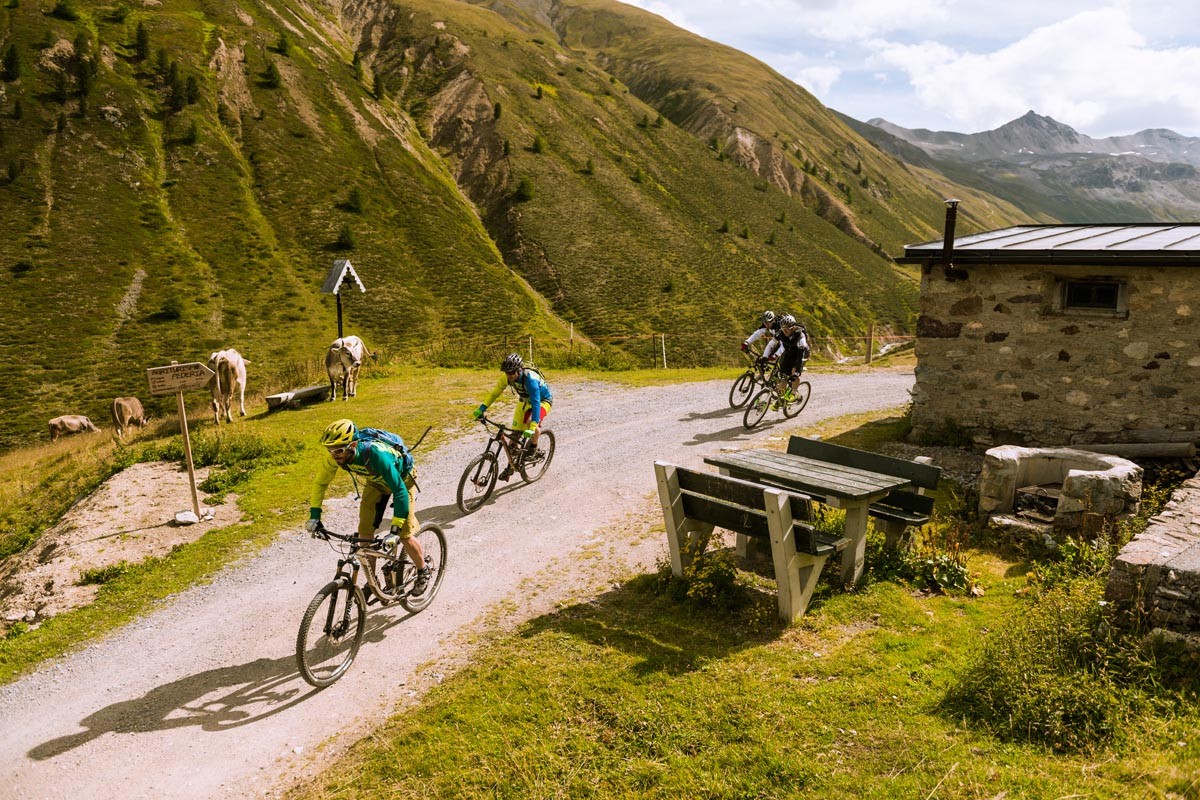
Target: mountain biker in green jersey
{"points": [[387, 474], [533, 396]]}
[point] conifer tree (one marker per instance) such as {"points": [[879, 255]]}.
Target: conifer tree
{"points": [[11, 69], [141, 42]]}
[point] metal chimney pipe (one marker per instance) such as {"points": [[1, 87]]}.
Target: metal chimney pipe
{"points": [[948, 239]]}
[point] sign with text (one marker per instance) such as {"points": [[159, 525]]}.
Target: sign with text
{"points": [[178, 377]]}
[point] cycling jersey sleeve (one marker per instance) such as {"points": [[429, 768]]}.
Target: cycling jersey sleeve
{"points": [[325, 472], [772, 347], [491, 396], [754, 337], [383, 462]]}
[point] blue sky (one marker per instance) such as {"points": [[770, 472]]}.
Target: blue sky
{"points": [[971, 65]]}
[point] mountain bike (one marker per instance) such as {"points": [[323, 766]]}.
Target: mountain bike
{"points": [[332, 627], [743, 386], [479, 478], [776, 395]]}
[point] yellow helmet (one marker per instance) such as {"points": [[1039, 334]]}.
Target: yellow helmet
{"points": [[339, 433]]}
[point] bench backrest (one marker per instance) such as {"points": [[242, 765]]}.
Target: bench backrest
{"points": [[738, 506], [921, 475]]}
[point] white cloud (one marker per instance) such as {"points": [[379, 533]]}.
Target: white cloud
{"points": [[1091, 70], [818, 80]]}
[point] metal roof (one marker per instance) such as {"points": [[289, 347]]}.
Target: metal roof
{"points": [[1126, 244]]}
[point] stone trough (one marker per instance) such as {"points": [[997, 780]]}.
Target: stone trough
{"points": [[1059, 486]]}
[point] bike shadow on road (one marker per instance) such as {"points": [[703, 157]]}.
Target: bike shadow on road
{"points": [[735, 434], [718, 414], [213, 700], [447, 515]]}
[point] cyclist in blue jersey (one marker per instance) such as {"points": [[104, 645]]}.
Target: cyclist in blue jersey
{"points": [[533, 401], [387, 474]]}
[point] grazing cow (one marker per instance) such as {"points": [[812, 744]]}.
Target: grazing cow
{"points": [[342, 362], [230, 377], [127, 412], [70, 423]]}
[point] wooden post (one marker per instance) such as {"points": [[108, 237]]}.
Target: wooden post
{"points": [[531, 348], [187, 448], [571, 347], [339, 307], [870, 341], [664, 350]]}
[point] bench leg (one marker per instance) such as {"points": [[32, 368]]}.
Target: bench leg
{"points": [[746, 548], [893, 532], [796, 573], [685, 537], [855, 554]]}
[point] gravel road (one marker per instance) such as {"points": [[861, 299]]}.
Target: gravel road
{"points": [[201, 698]]}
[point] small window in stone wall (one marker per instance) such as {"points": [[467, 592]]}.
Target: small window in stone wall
{"points": [[1092, 296]]}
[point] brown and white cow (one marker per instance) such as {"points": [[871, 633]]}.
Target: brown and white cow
{"points": [[342, 362], [230, 378], [127, 412], [70, 423]]}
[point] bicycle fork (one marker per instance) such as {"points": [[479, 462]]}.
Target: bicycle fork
{"points": [[346, 581]]}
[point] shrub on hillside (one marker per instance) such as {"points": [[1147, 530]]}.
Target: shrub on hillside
{"points": [[524, 191], [1057, 674]]}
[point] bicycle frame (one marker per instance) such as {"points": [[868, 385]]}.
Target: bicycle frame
{"points": [[358, 551], [504, 439]]}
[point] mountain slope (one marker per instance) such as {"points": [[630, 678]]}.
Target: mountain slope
{"points": [[1050, 170], [181, 177]]}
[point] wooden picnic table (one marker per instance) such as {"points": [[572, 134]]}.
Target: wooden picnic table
{"points": [[848, 488]]}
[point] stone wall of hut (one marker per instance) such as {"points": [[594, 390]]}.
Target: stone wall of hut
{"points": [[999, 361]]}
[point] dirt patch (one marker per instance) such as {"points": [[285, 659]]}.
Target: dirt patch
{"points": [[127, 520]]}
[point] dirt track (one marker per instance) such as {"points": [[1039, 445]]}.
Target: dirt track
{"points": [[201, 698]]}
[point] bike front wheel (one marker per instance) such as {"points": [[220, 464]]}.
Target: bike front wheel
{"points": [[433, 546], [741, 390], [534, 465], [758, 408], [330, 632], [477, 482], [799, 399]]}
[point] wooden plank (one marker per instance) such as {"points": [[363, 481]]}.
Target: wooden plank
{"points": [[806, 475], [297, 396], [922, 475], [739, 492], [738, 519], [907, 501]]}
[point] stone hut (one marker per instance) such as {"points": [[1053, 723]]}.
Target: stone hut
{"points": [[1051, 335]]}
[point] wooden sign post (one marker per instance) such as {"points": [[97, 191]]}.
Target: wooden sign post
{"points": [[342, 274], [179, 378]]}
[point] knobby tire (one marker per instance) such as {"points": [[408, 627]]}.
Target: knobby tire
{"points": [[323, 658], [758, 408], [478, 481], [531, 472], [741, 390], [799, 399], [433, 544]]}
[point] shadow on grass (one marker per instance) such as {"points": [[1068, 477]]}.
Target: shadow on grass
{"points": [[665, 633]]}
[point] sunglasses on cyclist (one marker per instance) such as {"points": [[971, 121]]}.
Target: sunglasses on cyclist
{"points": [[338, 452]]}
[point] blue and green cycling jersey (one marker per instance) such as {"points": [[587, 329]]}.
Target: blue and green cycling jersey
{"points": [[377, 464], [531, 389]]}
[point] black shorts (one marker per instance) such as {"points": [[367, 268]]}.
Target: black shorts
{"points": [[792, 362]]}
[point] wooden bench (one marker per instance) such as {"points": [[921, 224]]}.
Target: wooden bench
{"points": [[901, 508], [694, 503]]}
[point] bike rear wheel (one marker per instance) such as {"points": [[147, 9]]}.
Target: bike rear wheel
{"points": [[799, 399], [477, 482], [534, 466], [758, 408], [741, 390], [433, 545], [331, 632]]}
